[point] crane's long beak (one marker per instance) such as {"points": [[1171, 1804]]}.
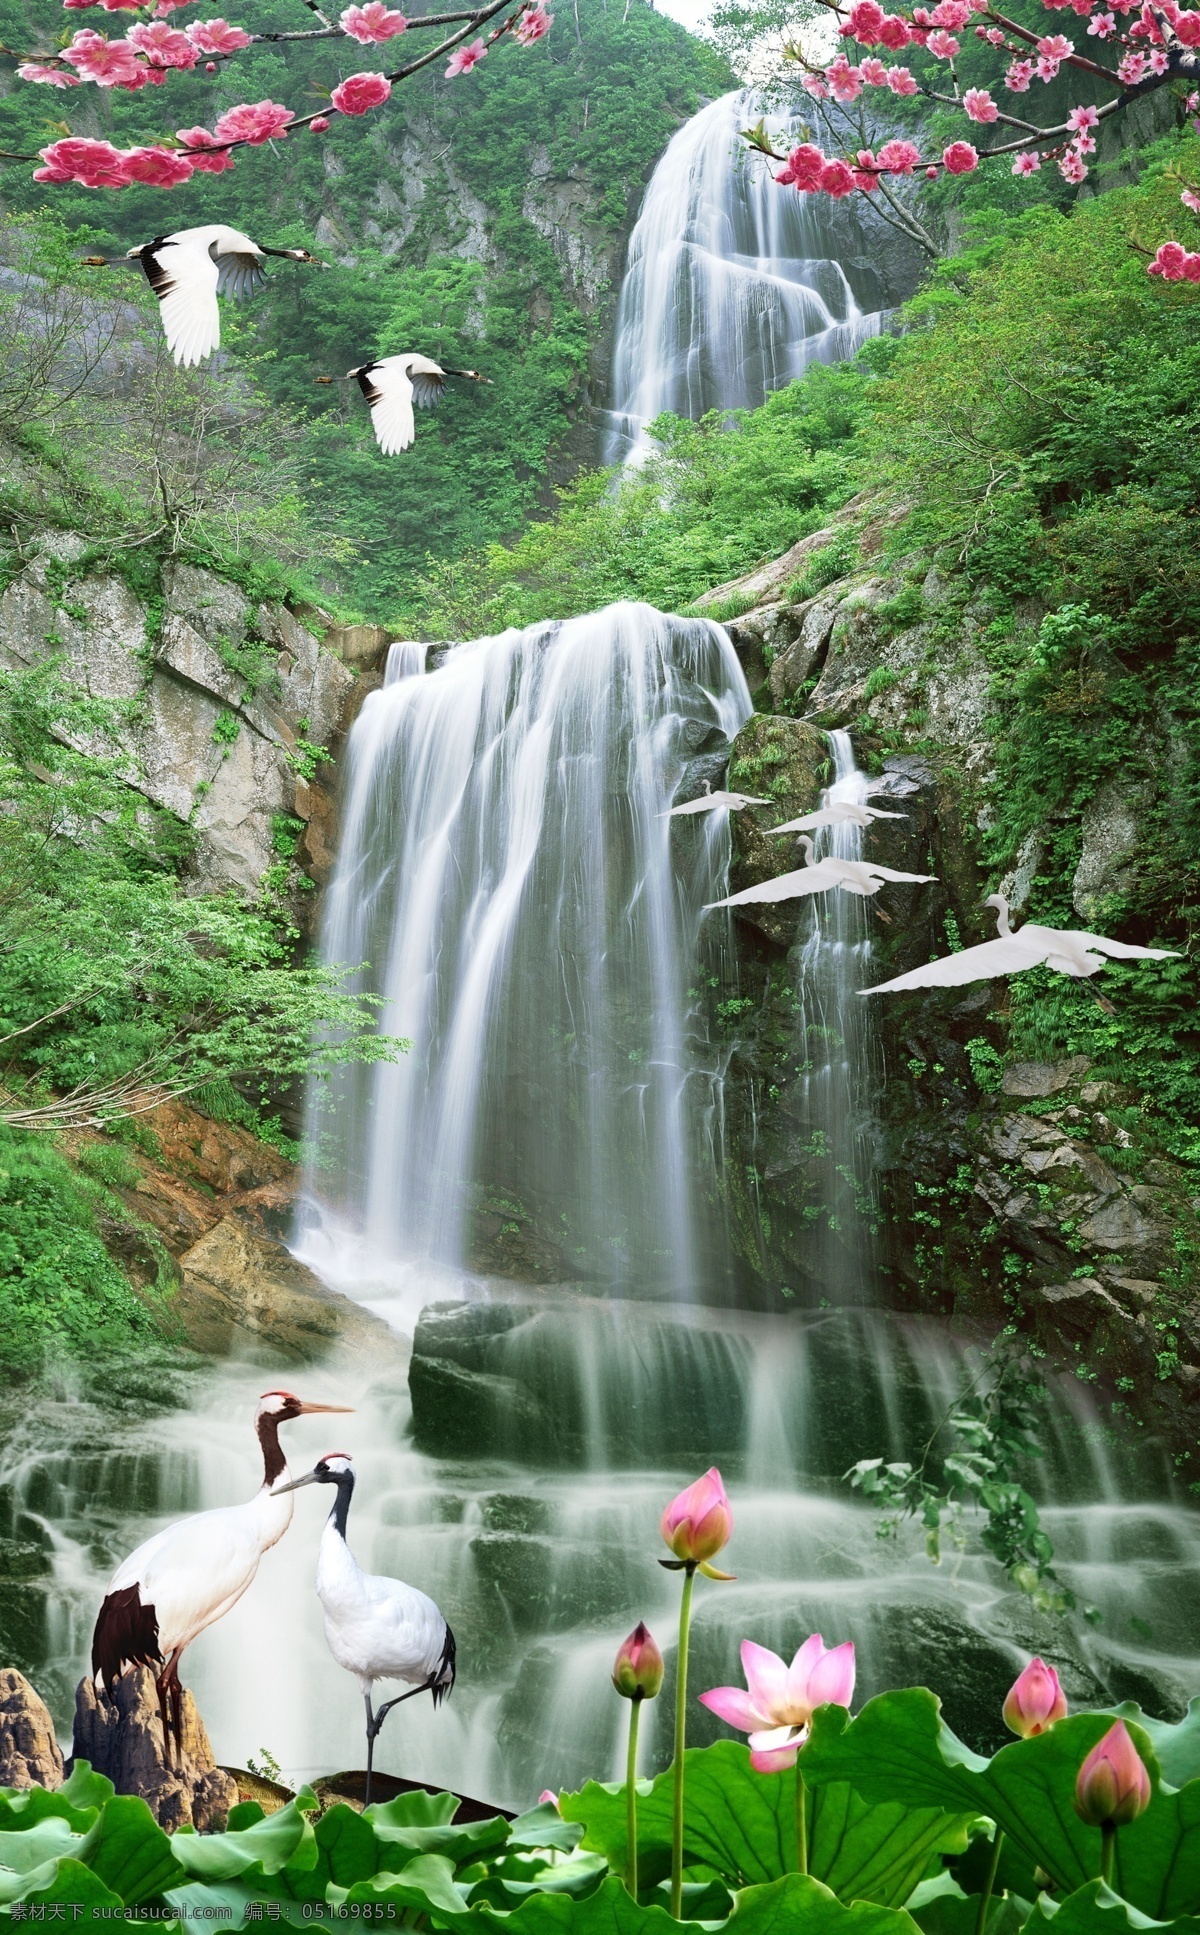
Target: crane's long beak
{"points": [[474, 376], [309, 1478], [306, 1408]]}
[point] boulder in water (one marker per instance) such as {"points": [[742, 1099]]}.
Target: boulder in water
{"points": [[29, 1752], [237, 1284], [121, 1736]]}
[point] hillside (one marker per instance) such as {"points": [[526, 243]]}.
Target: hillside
{"points": [[482, 221]]}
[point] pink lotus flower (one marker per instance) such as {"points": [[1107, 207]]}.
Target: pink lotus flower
{"points": [[253, 122], [373, 22], [196, 141], [110, 63], [698, 1524], [804, 168], [1035, 1700], [978, 105], [463, 59], [162, 45], [1112, 1787], [864, 22], [547, 1796], [779, 1702], [319, 126], [960, 158], [894, 32], [361, 92], [93, 164], [35, 70], [901, 81], [898, 157], [942, 45], [533, 24], [1027, 164], [157, 167], [638, 1671], [217, 37]]}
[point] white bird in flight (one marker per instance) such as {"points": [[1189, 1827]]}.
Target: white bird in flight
{"points": [[837, 813], [391, 385], [189, 269], [709, 802], [377, 1628], [817, 877], [191, 1573], [1068, 951]]}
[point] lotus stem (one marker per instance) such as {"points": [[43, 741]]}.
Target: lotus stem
{"points": [[681, 1671], [985, 1900], [1108, 1849], [631, 1856], [801, 1823]]}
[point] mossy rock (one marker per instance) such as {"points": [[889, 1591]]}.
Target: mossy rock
{"points": [[787, 762]]}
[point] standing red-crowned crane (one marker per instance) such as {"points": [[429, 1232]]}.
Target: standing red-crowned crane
{"points": [[391, 385], [188, 270], [377, 1628], [192, 1572]]}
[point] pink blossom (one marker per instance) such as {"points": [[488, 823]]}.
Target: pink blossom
{"points": [[1169, 262], [534, 22], [864, 22], [1102, 25], [1084, 144], [1035, 1700], [994, 35], [463, 59], [898, 157], [196, 141], [931, 174], [698, 1523], [157, 167], [1160, 60], [33, 70], [814, 85], [253, 122], [1187, 27], [217, 37], [901, 81], [873, 71], [1191, 199], [779, 1701], [1047, 67], [942, 45], [866, 175], [1072, 167], [1191, 268], [1080, 118], [110, 63], [162, 45], [1192, 102], [372, 22], [361, 92], [894, 32], [978, 105], [93, 164], [1112, 1787], [1131, 67], [1018, 77], [1027, 164], [951, 13], [837, 179], [960, 158], [319, 126], [844, 81], [804, 168], [1055, 46]]}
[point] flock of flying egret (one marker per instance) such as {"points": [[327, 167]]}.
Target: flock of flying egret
{"points": [[190, 268]]}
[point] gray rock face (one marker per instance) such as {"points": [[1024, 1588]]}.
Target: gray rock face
{"points": [[1113, 834], [122, 1738], [238, 1286], [29, 1752]]}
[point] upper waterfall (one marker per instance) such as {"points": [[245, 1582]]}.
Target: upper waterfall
{"points": [[533, 921], [732, 285]]}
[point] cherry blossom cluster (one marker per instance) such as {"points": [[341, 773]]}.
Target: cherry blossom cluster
{"points": [[1156, 41], [152, 47]]}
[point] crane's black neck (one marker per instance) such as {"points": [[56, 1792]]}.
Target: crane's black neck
{"points": [[274, 1462], [341, 1504]]}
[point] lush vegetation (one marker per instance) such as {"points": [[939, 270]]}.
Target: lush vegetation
{"points": [[427, 212]]}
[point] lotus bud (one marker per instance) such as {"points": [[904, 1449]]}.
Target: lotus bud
{"points": [[638, 1671], [547, 1795], [1035, 1701], [1113, 1786], [698, 1524]]}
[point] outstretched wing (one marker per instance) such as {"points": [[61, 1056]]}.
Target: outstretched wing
{"points": [[889, 873], [1122, 951], [185, 282], [709, 802], [239, 275], [785, 886], [388, 390], [972, 964], [428, 381]]}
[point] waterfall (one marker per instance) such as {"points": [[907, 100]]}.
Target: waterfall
{"points": [[533, 920], [732, 284]]}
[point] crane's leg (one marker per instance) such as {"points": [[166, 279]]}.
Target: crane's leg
{"points": [[160, 1687], [372, 1730], [170, 1706]]}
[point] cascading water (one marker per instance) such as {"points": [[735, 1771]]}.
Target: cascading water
{"points": [[508, 869], [732, 285]]}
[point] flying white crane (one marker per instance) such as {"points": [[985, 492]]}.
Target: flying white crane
{"points": [[709, 802], [188, 270], [817, 877], [391, 385], [377, 1628], [1068, 951], [837, 813], [192, 1572]]}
